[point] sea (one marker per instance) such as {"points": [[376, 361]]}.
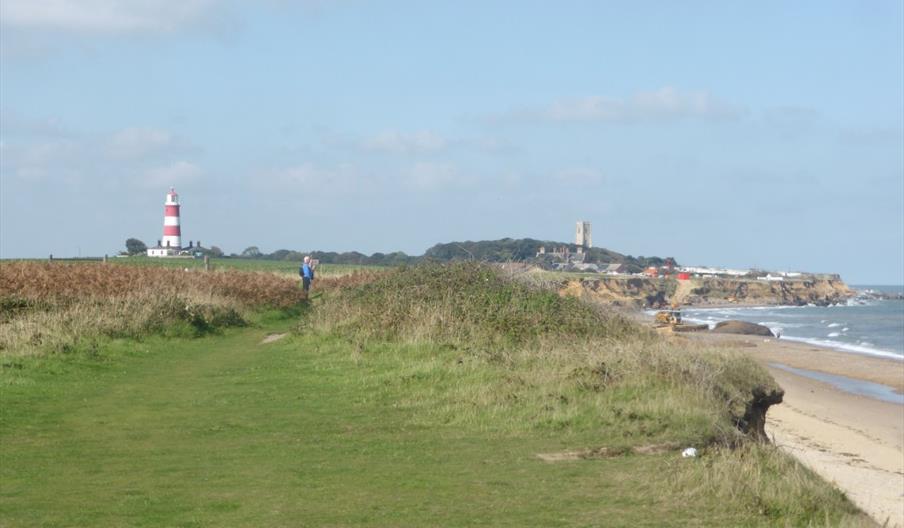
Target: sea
{"points": [[863, 325]]}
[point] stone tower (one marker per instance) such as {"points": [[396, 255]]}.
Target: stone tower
{"points": [[582, 235]]}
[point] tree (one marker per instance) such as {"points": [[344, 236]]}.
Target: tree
{"points": [[135, 247], [251, 252], [212, 251]]}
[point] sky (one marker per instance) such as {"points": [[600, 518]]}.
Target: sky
{"points": [[740, 134]]}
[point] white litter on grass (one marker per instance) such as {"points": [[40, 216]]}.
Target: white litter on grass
{"points": [[273, 337], [689, 453]]}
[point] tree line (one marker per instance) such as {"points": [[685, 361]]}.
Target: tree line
{"points": [[528, 250], [504, 250]]}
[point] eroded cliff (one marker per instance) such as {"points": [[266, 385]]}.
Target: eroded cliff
{"points": [[655, 292]]}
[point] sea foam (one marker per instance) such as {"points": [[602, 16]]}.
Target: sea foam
{"points": [[863, 348]]}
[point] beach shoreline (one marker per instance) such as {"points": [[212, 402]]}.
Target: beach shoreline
{"points": [[854, 441], [862, 366]]}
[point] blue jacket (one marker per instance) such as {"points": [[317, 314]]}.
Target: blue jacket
{"points": [[306, 272]]}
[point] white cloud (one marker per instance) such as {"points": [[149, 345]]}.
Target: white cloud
{"points": [[347, 179], [36, 161], [405, 143], [134, 155], [138, 143], [104, 16], [665, 104], [176, 173], [343, 178]]}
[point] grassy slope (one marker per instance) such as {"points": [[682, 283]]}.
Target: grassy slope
{"points": [[430, 424], [316, 431]]}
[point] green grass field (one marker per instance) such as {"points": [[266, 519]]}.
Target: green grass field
{"points": [[226, 431], [334, 425]]}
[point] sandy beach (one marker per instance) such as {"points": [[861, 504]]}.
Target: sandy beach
{"points": [[853, 441]]}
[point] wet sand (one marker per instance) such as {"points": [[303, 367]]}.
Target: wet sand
{"points": [[853, 441]]}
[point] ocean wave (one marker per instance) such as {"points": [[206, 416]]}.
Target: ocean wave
{"points": [[862, 348], [779, 307], [740, 309], [709, 322], [834, 334], [783, 324], [833, 325], [744, 314]]}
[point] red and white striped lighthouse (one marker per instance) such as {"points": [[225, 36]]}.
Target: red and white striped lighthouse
{"points": [[172, 234]]}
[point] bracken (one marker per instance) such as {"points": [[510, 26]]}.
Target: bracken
{"points": [[54, 307]]}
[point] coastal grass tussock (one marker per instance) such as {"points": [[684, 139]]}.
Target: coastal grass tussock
{"points": [[47, 308], [464, 303], [570, 364]]}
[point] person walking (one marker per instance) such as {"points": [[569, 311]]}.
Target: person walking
{"points": [[307, 274]]}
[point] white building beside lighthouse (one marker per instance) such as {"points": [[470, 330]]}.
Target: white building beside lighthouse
{"points": [[171, 243]]}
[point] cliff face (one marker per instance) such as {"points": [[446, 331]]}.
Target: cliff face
{"points": [[634, 292], [789, 292], [647, 292]]}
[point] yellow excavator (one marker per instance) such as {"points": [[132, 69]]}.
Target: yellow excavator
{"points": [[670, 320], [668, 317]]}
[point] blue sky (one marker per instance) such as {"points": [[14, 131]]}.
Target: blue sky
{"points": [[763, 134]]}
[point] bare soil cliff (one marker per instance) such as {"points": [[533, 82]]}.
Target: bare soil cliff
{"points": [[818, 291], [649, 292]]}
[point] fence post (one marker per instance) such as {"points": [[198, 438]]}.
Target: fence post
{"points": [[206, 263], [105, 258], [51, 257]]}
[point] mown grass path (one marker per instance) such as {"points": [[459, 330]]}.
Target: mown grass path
{"points": [[226, 431]]}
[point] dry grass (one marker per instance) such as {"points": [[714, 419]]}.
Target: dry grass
{"points": [[46, 283], [53, 308]]}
